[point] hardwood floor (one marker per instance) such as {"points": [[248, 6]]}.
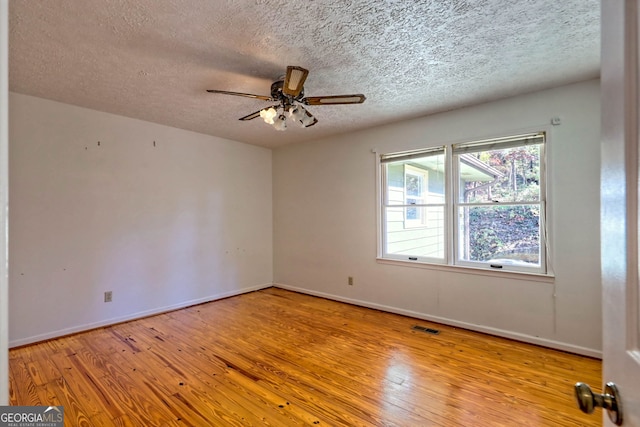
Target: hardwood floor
{"points": [[279, 358]]}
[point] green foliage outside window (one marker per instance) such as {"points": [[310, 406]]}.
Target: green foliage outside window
{"points": [[504, 231]]}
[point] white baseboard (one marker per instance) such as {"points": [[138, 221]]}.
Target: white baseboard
{"points": [[132, 316], [557, 345]]}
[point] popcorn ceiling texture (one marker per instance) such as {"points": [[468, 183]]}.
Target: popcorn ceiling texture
{"points": [[154, 59]]}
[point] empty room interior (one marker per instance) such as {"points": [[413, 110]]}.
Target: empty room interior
{"points": [[304, 213]]}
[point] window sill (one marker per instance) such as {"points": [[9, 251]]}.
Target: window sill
{"points": [[517, 275]]}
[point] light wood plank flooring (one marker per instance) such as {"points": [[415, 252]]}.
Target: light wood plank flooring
{"points": [[279, 358]]}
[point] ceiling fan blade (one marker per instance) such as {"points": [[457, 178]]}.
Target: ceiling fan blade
{"points": [[294, 80], [256, 114], [248, 95], [250, 116], [335, 99]]}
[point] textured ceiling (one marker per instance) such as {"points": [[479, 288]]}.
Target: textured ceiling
{"points": [[154, 59]]}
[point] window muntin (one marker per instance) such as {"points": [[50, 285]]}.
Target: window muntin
{"points": [[495, 217]]}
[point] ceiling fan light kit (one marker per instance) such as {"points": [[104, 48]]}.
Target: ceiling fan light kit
{"points": [[280, 123], [277, 116], [268, 115], [296, 112], [289, 92]]}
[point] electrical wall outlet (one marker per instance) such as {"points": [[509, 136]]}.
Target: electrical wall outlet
{"points": [[108, 296], [350, 281]]}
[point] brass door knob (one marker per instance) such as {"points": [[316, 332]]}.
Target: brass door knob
{"points": [[610, 400]]}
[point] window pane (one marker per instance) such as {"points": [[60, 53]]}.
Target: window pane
{"points": [[415, 181], [412, 214], [505, 234], [508, 175], [427, 240]]}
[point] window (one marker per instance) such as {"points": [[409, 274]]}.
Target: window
{"points": [[479, 204], [414, 205]]}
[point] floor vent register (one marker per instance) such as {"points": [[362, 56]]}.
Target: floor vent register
{"points": [[426, 330]]}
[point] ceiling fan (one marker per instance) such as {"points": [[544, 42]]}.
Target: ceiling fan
{"points": [[288, 93]]}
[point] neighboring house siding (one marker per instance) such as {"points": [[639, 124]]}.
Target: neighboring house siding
{"points": [[423, 240]]}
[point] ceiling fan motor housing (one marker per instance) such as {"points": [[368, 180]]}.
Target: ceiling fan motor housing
{"points": [[277, 95]]}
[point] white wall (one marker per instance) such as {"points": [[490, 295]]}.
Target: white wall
{"points": [[190, 220], [184, 221], [325, 223]]}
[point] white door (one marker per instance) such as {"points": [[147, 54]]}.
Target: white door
{"points": [[620, 220], [4, 177]]}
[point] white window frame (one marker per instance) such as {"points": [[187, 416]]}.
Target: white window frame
{"points": [[384, 204], [488, 145], [452, 204]]}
